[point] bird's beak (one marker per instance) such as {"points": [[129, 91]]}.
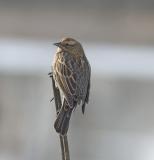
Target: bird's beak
{"points": [[57, 44]]}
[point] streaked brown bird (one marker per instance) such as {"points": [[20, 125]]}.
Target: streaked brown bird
{"points": [[71, 72]]}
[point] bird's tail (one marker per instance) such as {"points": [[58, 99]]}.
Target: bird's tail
{"points": [[61, 124]]}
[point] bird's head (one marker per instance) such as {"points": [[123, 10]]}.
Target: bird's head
{"points": [[70, 45]]}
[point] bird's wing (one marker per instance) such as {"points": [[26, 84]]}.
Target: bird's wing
{"points": [[67, 71], [88, 88], [87, 75]]}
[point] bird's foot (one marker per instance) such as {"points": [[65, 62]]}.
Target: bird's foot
{"points": [[52, 99], [58, 111], [50, 74]]}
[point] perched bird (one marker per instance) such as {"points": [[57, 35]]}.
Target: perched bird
{"points": [[71, 72]]}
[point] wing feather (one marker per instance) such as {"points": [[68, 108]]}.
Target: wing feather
{"points": [[71, 76]]}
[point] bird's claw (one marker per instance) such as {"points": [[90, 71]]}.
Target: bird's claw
{"points": [[50, 74], [52, 99], [58, 111]]}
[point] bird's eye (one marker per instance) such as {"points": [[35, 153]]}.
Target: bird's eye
{"points": [[67, 44]]}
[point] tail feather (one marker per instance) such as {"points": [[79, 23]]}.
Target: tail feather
{"points": [[61, 124]]}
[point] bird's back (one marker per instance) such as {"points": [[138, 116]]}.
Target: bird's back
{"points": [[72, 74]]}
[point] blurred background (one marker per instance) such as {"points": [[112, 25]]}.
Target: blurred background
{"points": [[118, 38]]}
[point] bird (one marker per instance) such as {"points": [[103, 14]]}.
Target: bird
{"points": [[71, 73]]}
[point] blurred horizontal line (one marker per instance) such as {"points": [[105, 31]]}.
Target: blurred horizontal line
{"points": [[129, 25], [35, 57]]}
